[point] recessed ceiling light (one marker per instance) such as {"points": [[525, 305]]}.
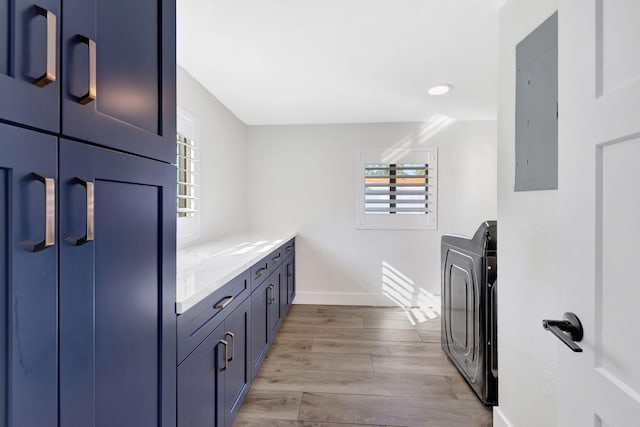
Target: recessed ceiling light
{"points": [[439, 89]]}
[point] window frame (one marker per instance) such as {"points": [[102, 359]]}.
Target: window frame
{"points": [[188, 228], [390, 221]]}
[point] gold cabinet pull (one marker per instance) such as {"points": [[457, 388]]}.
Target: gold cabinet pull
{"points": [[227, 300], [49, 75], [92, 90], [270, 299], [49, 215], [226, 355], [233, 344], [90, 214]]}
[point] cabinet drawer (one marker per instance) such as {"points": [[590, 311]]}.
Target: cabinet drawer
{"points": [[259, 272], [263, 268], [199, 321], [289, 248], [268, 264], [275, 258]]}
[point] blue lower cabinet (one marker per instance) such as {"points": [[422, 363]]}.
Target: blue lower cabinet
{"points": [[284, 292], [273, 305], [237, 376], [117, 289], [28, 279], [260, 331], [290, 279], [265, 313], [200, 396], [214, 379]]}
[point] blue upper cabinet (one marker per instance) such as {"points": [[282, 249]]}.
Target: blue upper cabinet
{"points": [[119, 84], [117, 289], [30, 63], [28, 279]]}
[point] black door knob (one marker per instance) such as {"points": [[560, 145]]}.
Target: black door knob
{"points": [[568, 330]]}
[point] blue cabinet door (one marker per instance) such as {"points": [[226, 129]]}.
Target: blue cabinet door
{"points": [[284, 288], [29, 63], [260, 329], [265, 319], [273, 303], [119, 85], [214, 379], [289, 279], [237, 376], [117, 289], [28, 279], [200, 397]]}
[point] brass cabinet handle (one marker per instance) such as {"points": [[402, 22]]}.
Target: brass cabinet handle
{"points": [[276, 258], [49, 75], [288, 248], [261, 272], [233, 344], [92, 91], [90, 214], [226, 355], [227, 301], [49, 215], [270, 298]]}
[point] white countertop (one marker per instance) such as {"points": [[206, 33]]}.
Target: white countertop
{"points": [[205, 267]]}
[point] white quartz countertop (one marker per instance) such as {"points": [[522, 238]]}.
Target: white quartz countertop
{"points": [[205, 267]]}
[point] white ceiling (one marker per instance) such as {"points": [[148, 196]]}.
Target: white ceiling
{"points": [[343, 61]]}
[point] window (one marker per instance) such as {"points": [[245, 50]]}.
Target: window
{"points": [[188, 190], [397, 190], [186, 161]]}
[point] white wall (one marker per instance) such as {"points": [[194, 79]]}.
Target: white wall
{"points": [[303, 178], [527, 256], [223, 156]]}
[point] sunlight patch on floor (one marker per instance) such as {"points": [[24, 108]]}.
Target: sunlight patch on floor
{"points": [[419, 304]]}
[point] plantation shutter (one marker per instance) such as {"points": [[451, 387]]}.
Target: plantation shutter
{"points": [[186, 162], [397, 189]]}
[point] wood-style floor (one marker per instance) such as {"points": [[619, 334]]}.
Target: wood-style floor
{"points": [[345, 366]]}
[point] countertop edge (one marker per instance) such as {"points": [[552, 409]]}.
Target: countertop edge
{"points": [[217, 282]]}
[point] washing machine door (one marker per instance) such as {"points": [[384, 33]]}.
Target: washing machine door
{"points": [[461, 312]]}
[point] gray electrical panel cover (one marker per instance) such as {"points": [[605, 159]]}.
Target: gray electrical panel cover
{"points": [[537, 108]]}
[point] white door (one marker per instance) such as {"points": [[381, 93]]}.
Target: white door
{"points": [[599, 199]]}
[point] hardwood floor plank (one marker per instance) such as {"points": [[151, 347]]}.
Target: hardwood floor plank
{"points": [[429, 336], [279, 405], [397, 411], [429, 325], [430, 331], [381, 323], [294, 331], [374, 383], [438, 364], [460, 387], [344, 309], [291, 423], [282, 359], [375, 348], [326, 322], [288, 344]]}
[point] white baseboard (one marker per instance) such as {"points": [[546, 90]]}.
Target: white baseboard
{"points": [[325, 298], [499, 419]]}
